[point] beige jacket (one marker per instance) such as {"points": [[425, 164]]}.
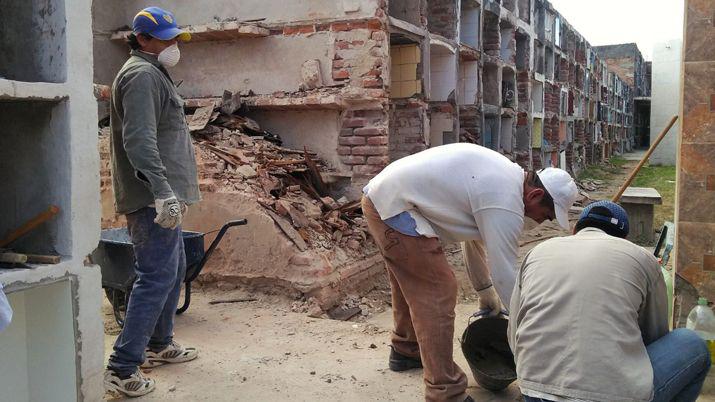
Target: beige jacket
{"points": [[583, 310]]}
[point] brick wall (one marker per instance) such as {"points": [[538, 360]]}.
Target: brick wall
{"points": [[522, 87], [442, 17], [407, 128], [470, 122], [363, 142], [360, 53], [552, 95]]}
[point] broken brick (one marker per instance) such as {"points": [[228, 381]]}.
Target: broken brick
{"points": [[340, 75], [339, 26], [344, 151], [352, 141], [369, 150], [381, 140], [370, 131], [353, 159], [354, 122], [378, 160]]}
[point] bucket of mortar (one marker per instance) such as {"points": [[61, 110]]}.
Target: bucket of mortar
{"points": [[486, 348]]}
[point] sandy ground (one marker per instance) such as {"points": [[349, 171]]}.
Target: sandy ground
{"points": [[262, 351]]}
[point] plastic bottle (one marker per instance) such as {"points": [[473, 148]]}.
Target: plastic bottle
{"points": [[702, 320]]}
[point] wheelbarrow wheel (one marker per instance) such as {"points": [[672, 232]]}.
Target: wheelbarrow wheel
{"points": [[118, 299]]}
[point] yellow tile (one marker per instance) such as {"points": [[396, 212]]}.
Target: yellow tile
{"points": [[409, 54], [418, 86], [408, 72], [396, 73], [395, 54]]}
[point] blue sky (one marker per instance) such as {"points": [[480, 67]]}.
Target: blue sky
{"points": [[606, 22]]}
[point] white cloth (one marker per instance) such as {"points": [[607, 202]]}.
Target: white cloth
{"points": [[5, 311], [459, 192]]}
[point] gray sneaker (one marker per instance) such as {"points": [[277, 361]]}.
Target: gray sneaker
{"points": [[173, 353], [135, 385]]}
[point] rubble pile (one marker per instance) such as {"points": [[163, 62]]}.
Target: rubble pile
{"points": [[235, 154]]}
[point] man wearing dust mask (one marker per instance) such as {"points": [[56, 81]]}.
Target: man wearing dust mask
{"points": [[154, 179]]}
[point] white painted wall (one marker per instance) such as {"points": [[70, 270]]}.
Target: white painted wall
{"points": [[468, 82], [665, 103], [443, 69]]}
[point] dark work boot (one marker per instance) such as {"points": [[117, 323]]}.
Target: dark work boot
{"points": [[400, 362]]}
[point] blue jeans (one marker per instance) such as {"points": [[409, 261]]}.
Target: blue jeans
{"points": [[160, 268], [680, 361]]}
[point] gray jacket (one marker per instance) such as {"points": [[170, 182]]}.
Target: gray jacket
{"points": [[152, 153], [583, 310]]}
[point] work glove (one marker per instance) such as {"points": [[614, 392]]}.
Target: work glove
{"points": [[168, 213], [489, 300]]}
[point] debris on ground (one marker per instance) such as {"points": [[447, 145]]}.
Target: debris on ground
{"points": [[238, 155]]}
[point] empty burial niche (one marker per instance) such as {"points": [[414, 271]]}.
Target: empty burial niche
{"points": [[507, 48], [469, 28], [491, 132], [549, 63], [468, 82], [508, 88], [491, 85], [525, 10], [442, 129], [406, 10], [539, 57], [537, 97], [35, 169], [522, 51], [506, 141], [33, 45], [443, 73]]}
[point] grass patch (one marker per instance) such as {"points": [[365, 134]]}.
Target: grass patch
{"points": [[604, 171], [661, 178]]}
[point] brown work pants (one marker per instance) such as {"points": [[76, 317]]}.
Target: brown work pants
{"points": [[424, 294]]}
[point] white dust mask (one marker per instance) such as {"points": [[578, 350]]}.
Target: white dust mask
{"points": [[170, 56]]}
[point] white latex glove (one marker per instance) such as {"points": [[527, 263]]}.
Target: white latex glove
{"points": [[489, 300], [168, 213]]}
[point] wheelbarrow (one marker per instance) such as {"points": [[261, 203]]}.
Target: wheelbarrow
{"points": [[115, 256]]}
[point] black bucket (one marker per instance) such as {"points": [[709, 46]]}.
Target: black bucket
{"points": [[486, 347]]}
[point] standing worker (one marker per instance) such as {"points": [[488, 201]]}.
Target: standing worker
{"points": [[451, 193], [589, 320], [154, 178]]}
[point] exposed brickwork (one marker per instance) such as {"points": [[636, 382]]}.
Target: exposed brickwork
{"points": [[407, 130], [442, 17], [363, 141], [491, 41], [470, 123], [522, 87]]}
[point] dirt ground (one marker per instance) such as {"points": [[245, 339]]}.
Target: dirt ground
{"points": [[265, 351]]}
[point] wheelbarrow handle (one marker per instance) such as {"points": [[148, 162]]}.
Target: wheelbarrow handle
{"points": [[217, 240]]}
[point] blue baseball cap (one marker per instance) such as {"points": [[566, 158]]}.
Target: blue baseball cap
{"points": [[605, 215], [158, 23]]}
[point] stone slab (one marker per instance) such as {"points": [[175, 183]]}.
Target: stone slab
{"points": [[641, 195]]}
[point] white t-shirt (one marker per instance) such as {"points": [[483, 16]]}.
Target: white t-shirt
{"points": [[459, 192]]}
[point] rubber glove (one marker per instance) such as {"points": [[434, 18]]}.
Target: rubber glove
{"points": [[168, 213], [489, 300]]}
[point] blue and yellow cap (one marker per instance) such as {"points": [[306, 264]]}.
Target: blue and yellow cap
{"points": [[158, 23]]}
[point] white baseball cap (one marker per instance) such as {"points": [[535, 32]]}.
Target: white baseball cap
{"points": [[562, 189]]}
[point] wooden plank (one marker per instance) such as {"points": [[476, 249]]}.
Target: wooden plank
{"points": [[43, 259], [13, 258], [289, 231], [315, 176]]}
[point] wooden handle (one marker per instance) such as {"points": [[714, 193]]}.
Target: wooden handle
{"points": [[13, 258], [43, 259], [644, 159], [30, 225]]}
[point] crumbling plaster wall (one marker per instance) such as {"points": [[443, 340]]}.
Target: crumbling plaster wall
{"points": [[263, 65]]}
